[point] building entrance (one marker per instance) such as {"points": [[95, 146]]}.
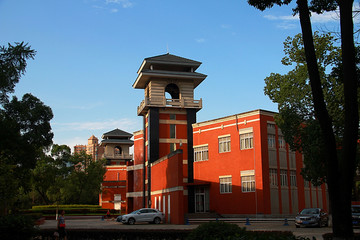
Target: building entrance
{"points": [[201, 199]]}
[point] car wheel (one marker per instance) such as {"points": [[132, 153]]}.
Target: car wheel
{"points": [[157, 220], [131, 221], [319, 224], [297, 226]]}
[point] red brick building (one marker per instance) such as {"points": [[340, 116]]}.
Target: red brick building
{"points": [[115, 146], [249, 169], [235, 165]]}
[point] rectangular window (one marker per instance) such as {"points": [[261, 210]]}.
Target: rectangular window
{"points": [[172, 131], [273, 177], [201, 153], [225, 184], [271, 126], [271, 141], [248, 183], [293, 178], [281, 142], [224, 144], [172, 117], [246, 140], [283, 178]]}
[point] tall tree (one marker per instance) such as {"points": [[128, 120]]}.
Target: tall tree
{"points": [[339, 169], [24, 126]]}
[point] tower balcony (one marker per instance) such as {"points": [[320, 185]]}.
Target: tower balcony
{"points": [[172, 103], [114, 156]]}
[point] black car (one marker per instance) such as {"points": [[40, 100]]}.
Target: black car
{"points": [[355, 211], [312, 217]]}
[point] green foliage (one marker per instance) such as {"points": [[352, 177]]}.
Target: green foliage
{"points": [[318, 6], [63, 178], [24, 128], [227, 231], [17, 227], [217, 231], [293, 94], [65, 207], [13, 61]]}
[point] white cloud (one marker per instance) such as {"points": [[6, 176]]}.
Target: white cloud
{"points": [[287, 21], [225, 26], [130, 124], [123, 3], [114, 10], [200, 40]]}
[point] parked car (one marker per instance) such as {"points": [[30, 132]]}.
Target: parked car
{"points": [[143, 215], [355, 211], [312, 217], [118, 219]]}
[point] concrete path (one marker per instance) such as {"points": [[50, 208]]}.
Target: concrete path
{"points": [[97, 223]]}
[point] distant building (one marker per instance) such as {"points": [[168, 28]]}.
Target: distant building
{"points": [[116, 150], [79, 148], [91, 148]]}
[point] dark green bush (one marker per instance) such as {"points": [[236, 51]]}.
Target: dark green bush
{"points": [[17, 227], [217, 231]]}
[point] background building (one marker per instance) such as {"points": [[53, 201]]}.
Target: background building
{"points": [[91, 148], [116, 150]]}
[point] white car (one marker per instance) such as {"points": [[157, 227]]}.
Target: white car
{"points": [[143, 215]]}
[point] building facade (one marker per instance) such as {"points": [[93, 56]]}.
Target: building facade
{"points": [[247, 168], [115, 146], [235, 165]]}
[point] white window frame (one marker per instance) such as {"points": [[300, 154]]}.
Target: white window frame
{"points": [[201, 153], [225, 183], [273, 177], [283, 178], [271, 141], [224, 144], [248, 181], [281, 140], [246, 140]]}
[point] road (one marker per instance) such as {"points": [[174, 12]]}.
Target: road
{"points": [[97, 223]]}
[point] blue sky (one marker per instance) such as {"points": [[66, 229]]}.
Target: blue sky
{"points": [[88, 53]]}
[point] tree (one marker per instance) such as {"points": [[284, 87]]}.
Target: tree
{"points": [[24, 126], [340, 172], [292, 93], [13, 61], [49, 174], [83, 184]]}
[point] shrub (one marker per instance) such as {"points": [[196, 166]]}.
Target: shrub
{"points": [[17, 227], [217, 231]]}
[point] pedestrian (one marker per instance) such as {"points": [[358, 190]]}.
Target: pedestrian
{"points": [[108, 216], [61, 226]]}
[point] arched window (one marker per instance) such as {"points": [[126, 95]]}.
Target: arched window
{"points": [[117, 151], [173, 90]]}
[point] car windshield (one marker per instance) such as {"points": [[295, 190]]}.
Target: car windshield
{"points": [[310, 211], [355, 209], [135, 212]]}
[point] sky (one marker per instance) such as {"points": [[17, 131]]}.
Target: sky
{"points": [[89, 51]]}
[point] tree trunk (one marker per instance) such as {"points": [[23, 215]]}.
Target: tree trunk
{"points": [[348, 159], [341, 217]]}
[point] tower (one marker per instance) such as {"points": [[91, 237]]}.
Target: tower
{"points": [[169, 110]]}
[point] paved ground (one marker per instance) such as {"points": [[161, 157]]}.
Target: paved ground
{"points": [[97, 223]]}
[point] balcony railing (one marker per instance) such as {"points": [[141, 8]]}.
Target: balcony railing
{"points": [[118, 156], [163, 102]]}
